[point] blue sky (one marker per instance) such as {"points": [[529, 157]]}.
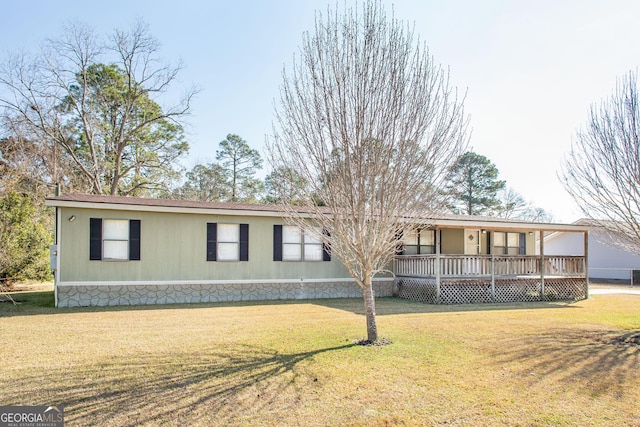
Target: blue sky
{"points": [[531, 69]]}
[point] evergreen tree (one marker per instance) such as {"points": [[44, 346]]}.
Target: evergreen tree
{"points": [[240, 163], [207, 183], [474, 185], [282, 186]]}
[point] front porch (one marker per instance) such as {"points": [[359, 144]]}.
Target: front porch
{"points": [[472, 279]]}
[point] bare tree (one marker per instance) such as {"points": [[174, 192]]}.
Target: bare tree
{"points": [[514, 206], [91, 104], [602, 171], [372, 125]]}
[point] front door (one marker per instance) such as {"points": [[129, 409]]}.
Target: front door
{"points": [[471, 242], [472, 265]]}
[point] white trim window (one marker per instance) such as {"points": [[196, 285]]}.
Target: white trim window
{"points": [[115, 239], [301, 245], [228, 242]]}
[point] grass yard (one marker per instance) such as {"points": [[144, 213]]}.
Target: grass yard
{"points": [[295, 363]]}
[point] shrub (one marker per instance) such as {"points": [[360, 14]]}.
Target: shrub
{"points": [[24, 252]]}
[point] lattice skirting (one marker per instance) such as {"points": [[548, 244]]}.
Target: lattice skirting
{"points": [[476, 291]]}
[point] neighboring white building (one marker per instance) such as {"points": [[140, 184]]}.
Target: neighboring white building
{"points": [[605, 261]]}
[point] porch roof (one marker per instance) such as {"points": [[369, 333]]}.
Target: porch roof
{"points": [[490, 223]]}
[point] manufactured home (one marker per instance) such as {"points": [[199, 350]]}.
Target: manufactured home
{"points": [[113, 250]]}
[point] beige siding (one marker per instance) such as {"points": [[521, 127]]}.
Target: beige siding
{"points": [[173, 248], [531, 243], [452, 241]]}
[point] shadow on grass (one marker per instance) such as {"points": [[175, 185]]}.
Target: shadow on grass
{"points": [[592, 361], [215, 386], [32, 303], [394, 305]]}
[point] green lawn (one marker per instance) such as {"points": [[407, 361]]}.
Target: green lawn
{"points": [[295, 363]]}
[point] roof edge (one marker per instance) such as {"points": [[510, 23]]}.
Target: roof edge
{"points": [[89, 201]]}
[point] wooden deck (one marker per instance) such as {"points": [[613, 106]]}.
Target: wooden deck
{"points": [[470, 279]]}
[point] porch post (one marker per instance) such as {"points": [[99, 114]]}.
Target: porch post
{"points": [[493, 270], [586, 262], [437, 265], [542, 272]]}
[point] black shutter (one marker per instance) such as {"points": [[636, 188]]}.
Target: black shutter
{"points": [[244, 242], [277, 242], [399, 245], [523, 244], [212, 233], [95, 239], [134, 239], [489, 249], [326, 254]]}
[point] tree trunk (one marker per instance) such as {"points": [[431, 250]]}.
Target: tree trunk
{"points": [[370, 311]]}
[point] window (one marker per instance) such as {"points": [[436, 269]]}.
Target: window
{"points": [[420, 242], [290, 243], [227, 242], [114, 239], [509, 243]]}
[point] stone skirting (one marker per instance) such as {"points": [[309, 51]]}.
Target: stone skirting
{"points": [[71, 295]]}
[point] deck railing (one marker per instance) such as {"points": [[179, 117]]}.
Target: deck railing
{"points": [[487, 265]]}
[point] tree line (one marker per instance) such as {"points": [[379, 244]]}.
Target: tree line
{"points": [[84, 114]]}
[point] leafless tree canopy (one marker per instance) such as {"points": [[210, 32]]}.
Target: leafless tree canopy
{"points": [[514, 206], [371, 123], [602, 171], [90, 105]]}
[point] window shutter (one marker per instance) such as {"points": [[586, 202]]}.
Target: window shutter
{"points": [[489, 249], [523, 244], [277, 242], [326, 250], [212, 232], [244, 242], [95, 239], [134, 240]]}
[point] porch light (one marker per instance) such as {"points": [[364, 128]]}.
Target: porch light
{"points": [[72, 218]]}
